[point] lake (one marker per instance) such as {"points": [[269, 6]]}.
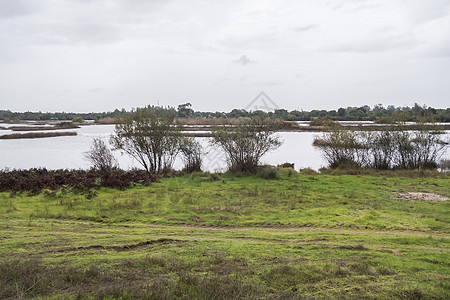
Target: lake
{"points": [[66, 152]]}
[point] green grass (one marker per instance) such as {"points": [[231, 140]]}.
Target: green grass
{"points": [[301, 236]]}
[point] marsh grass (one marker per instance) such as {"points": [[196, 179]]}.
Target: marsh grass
{"points": [[217, 274], [296, 237], [343, 201], [145, 278]]}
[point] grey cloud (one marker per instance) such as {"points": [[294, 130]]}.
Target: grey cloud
{"points": [[90, 32], [13, 8], [95, 90], [442, 50], [121, 47], [356, 5], [268, 83], [84, 1], [305, 28], [256, 41], [373, 43], [243, 61], [78, 32], [142, 5], [425, 11]]}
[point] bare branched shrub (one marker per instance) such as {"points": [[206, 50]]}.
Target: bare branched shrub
{"points": [[340, 148], [150, 136], [393, 147], [382, 149], [245, 143], [100, 156], [428, 148], [444, 164], [404, 150], [420, 148], [191, 151]]}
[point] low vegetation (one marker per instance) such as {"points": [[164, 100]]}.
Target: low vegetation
{"points": [[256, 232], [218, 236], [34, 181], [36, 135], [64, 125], [387, 148]]}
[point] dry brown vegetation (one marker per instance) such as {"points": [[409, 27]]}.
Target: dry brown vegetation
{"points": [[36, 135], [35, 180]]}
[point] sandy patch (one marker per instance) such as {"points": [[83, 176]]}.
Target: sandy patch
{"points": [[414, 196]]}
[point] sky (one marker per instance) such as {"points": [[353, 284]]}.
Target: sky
{"points": [[99, 55]]}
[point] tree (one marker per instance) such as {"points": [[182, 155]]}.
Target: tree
{"points": [[245, 143], [100, 156], [185, 110], [281, 114], [150, 136], [78, 120]]}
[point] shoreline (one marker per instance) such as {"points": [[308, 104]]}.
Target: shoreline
{"points": [[36, 135]]}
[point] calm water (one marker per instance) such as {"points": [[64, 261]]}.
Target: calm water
{"points": [[67, 152]]}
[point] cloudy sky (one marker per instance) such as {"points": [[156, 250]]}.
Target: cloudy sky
{"points": [[98, 55]]}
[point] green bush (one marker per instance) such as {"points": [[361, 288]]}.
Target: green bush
{"points": [[286, 171], [309, 171], [268, 172], [324, 121]]}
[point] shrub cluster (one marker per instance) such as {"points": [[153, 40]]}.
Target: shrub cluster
{"points": [[391, 148], [323, 121], [245, 143], [268, 172], [35, 180]]}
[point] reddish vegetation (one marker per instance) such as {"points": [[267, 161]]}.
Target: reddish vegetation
{"points": [[108, 121], [41, 128], [35, 135], [35, 180]]}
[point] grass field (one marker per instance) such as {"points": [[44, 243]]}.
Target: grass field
{"points": [[201, 237]]}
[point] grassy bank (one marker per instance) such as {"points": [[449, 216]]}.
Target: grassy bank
{"points": [[301, 236]]}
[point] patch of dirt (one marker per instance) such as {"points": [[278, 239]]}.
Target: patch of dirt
{"points": [[431, 261], [396, 252], [116, 248], [353, 247], [414, 196], [319, 240]]}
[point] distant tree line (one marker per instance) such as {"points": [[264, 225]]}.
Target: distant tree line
{"points": [[7, 115], [362, 113]]}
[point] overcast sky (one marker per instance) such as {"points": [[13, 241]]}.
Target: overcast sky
{"points": [[98, 55]]}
